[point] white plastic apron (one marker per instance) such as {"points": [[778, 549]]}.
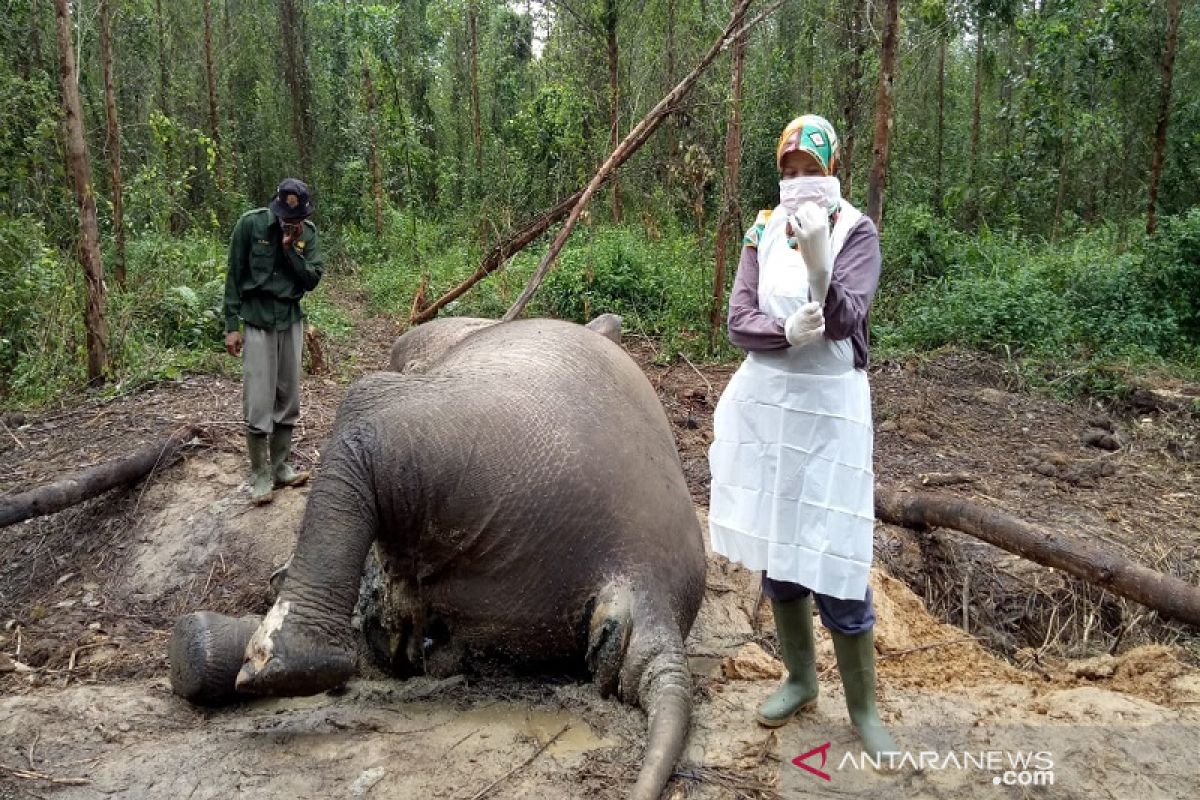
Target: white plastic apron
{"points": [[792, 478]]}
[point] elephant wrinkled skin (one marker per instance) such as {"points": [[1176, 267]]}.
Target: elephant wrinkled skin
{"points": [[520, 484]]}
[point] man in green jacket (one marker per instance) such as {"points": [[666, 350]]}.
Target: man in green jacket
{"points": [[273, 261]]}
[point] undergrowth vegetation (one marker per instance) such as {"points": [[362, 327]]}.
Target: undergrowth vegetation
{"points": [[1085, 315], [166, 322]]}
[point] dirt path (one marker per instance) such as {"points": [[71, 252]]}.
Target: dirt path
{"points": [[87, 598]]}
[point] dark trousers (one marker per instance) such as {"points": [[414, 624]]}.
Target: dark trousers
{"points": [[848, 617]]}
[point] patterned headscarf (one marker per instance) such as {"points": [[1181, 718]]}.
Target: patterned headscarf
{"points": [[813, 135]]}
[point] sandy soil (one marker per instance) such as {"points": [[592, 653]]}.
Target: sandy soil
{"points": [[1021, 660]]}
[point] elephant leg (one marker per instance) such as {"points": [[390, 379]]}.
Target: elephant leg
{"points": [[304, 644]]}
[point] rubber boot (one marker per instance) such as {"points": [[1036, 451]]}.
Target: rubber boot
{"points": [[260, 468], [856, 663], [281, 450], [794, 625]]}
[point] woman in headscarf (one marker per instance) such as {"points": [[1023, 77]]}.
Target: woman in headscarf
{"points": [[792, 478]]}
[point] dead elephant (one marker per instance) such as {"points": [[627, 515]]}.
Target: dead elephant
{"points": [[521, 486]]}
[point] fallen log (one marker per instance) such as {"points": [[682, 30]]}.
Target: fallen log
{"points": [[1166, 594], [88, 483]]}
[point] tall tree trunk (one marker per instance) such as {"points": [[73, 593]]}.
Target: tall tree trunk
{"points": [[476, 125], [614, 119], [35, 36], [296, 74], [1064, 147], [214, 123], [672, 134], [1164, 114], [79, 174], [112, 139], [164, 83], [978, 99], [729, 193], [938, 186], [877, 181], [856, 43], [376, 175]]}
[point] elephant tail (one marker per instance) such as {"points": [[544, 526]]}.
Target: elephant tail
{"points": [[206, 652], [665, 692]]}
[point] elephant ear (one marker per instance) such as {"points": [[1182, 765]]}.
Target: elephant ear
{"points": [[608, 326]]}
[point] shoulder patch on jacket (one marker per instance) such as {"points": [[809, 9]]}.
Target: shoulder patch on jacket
{"points": [[252, 212], [756, 230]]}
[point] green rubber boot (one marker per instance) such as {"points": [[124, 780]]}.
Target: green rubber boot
{"points": [[794, 625], [856, 663], [281, 450], [261, 489]]}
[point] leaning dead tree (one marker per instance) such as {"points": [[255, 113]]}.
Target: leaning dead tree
{"points": [[1164, 593], [573, 206], [736, 28], [88, 483]]}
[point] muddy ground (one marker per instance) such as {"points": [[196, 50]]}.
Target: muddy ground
{"points": [[978, 650]]}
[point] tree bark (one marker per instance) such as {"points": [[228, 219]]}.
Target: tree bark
{"points": [[726, 227], [164, 83], [85, 484], [671, 67], [214, 119], [1164, 593], [476, 125], [296, 75], [630, 144], [1064, 148], [113, 140], [35, 36], [79, 174], [614, 117], [977, 100], [856, 43], [1164, 113], [938, 186], [877, 182], [373, 142]]}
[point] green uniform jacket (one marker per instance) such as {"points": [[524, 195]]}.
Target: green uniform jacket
{"points": [[265, 281]]}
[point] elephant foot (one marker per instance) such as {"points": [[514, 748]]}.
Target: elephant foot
{"points": [[206, 652], [284, 659]]}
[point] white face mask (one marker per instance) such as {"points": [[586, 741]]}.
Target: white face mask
{"points": [[825, 192]]}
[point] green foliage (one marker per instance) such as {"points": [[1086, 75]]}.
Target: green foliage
{"points": [[660, 283], [165, 324], [1083, 301]]}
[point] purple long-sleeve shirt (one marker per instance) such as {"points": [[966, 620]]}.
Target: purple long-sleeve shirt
{"points": [[847, 304]]}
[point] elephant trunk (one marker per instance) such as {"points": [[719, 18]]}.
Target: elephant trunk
{"points": [[303, 645], [666, 695]]}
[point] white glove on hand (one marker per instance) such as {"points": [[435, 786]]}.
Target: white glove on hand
{"points": [[805, 326], [810, 224]]}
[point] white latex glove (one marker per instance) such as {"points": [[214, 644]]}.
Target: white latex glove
{"points": [[810, 225], [805, 326]]}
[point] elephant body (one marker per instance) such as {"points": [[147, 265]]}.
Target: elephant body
{"points": [[521, 487]]}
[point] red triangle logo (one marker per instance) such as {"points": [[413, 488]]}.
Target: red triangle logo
{"points": [[800, 759]]}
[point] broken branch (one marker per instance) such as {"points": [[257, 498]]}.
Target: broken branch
{"points": [[628, 146], [85, 484]]}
